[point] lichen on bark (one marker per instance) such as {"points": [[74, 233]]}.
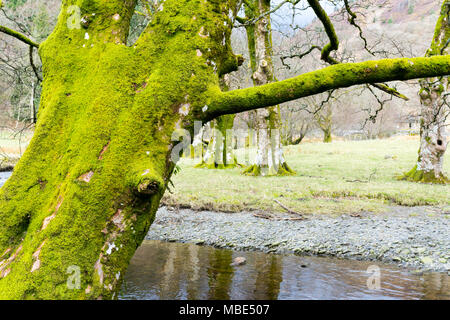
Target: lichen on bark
{"points": [[433, 113], [269, 159]]}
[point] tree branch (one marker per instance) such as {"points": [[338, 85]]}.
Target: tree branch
{"points": [[329, 29], [333, 45], [333, 77], [18, 36], [352, 21], [36, 73]]}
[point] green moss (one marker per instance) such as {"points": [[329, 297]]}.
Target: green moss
{"points": [[99, 161], [415, 175], [441, 32], [255, 170], [252, 170], [327, 137]]}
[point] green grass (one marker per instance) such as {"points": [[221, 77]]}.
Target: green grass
{"points": [[331, 179]]}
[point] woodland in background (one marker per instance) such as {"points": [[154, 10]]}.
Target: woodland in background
{"points": [[406, 26]]}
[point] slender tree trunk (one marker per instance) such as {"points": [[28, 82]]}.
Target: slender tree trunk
{"points": [[327, 136], [324, 119], [220, 154], [433, 137], [434, 111], [269, 159], [32, 105]]}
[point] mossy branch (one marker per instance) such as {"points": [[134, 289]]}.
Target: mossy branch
{"points": [[19, 36], [333, 77], [333, 45]]}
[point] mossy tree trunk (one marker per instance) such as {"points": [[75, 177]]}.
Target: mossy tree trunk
{"points": [[434, 112], [85, 192], [269, 159]]}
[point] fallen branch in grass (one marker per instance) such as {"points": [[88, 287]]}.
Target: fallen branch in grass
{"points": [[287, 209], [362, 181]]}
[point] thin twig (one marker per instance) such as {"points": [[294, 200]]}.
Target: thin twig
{"points": [[287, 209]]}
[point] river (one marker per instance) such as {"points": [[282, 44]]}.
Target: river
{"points": [[165, 270]]}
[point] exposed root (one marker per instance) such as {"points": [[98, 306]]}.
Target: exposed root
{"points": [[269, 216]]}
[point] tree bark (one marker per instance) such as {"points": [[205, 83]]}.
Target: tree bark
{"points": [[85, 192], [269, 160], [434, 112], [327, 136]]}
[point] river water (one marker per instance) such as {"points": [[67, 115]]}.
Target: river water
{"points": [[165, 270]]}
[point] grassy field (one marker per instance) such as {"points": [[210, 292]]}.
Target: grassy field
{"points": [[341, 177]]}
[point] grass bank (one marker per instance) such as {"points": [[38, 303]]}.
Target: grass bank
{"points": [[341, 177]]}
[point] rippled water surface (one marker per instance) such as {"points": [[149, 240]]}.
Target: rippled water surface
{"points": [[163, 270]]}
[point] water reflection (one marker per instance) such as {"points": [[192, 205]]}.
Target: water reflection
{"points": [[161, 270]]}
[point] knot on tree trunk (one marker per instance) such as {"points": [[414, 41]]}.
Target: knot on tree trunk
{"points": [[146, 183], [148, 187]]}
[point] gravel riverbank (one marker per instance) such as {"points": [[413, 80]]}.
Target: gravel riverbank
{"points": [[417, 238], [413, 237]]}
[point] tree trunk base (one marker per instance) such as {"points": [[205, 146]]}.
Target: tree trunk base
{"points": [[424, 177], [255, 170], [205, 165]]}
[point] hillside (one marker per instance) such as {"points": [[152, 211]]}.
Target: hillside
{"points": [[393, 28]]}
